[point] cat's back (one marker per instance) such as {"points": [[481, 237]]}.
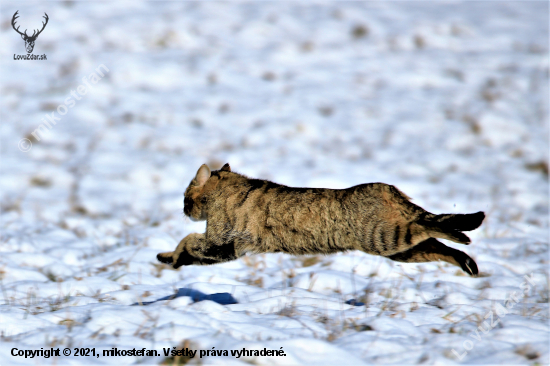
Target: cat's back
{"points": [[238, 189], [266, 198]]}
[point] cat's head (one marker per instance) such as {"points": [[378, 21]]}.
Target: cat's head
{"points": [[196, 194]]}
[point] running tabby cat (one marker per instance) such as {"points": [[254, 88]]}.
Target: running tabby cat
{"points": [[246, 215]]}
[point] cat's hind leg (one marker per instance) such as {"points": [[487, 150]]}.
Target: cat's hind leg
{"points": [[433, 250]]}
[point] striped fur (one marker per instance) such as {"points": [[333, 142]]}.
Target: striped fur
{"points": [[247, 215]]}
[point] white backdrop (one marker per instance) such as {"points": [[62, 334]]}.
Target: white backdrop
{"points": [[449, 102]]}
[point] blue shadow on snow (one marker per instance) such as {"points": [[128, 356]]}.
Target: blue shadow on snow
{"points": [[223, 298]]}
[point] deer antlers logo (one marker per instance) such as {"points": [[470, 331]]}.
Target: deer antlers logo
{"points": [[29, 40]]}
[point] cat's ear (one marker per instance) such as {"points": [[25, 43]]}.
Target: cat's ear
{"points": [[202, 175], [226, 168]]}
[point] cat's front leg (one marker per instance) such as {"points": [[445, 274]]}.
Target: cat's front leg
{"points": [[182, 255]]}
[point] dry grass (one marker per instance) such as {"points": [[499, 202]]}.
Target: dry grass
{"points": [[308, 261], [179, 360], [528, 352]]}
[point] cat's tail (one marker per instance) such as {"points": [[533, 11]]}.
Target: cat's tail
{"points": [[450, 226], [460, 222]]}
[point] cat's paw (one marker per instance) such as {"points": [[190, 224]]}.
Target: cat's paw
{"points": [[166, 257]]}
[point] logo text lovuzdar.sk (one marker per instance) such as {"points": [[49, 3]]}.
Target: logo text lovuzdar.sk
{"points": [[29, 40]]}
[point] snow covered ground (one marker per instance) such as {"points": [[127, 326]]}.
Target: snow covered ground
{"points": [[447, 101]]}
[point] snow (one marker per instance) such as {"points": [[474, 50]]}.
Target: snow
{"points": [[447, 101]]}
